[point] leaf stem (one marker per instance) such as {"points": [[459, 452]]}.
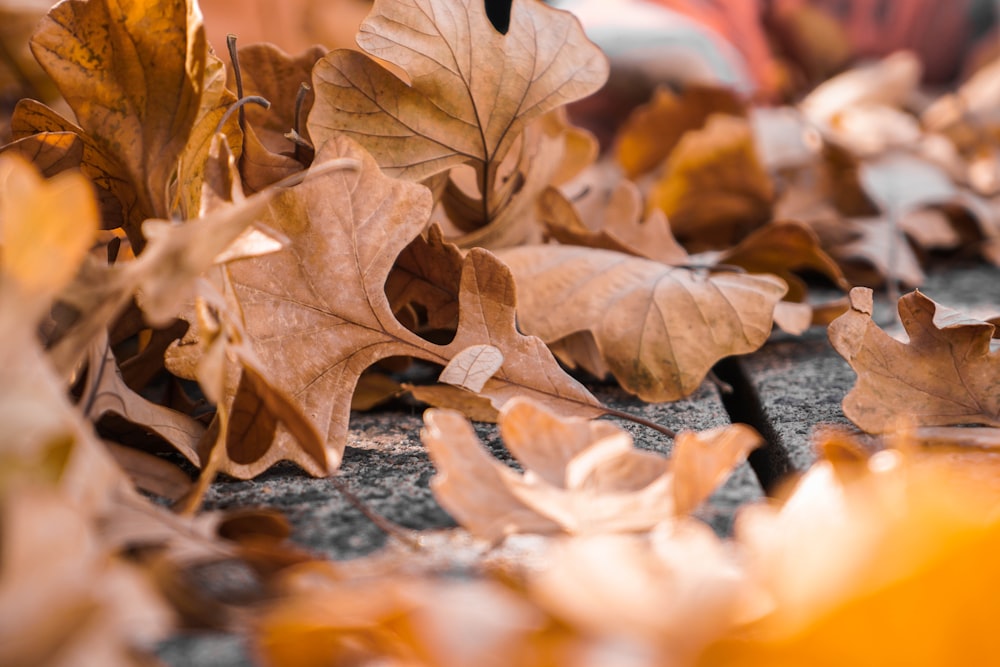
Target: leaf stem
{"points": [[388, 527], [635, 419]]}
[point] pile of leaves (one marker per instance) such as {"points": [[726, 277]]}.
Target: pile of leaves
{"points": [[220, 261]]}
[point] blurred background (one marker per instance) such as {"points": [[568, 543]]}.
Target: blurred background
{"points": [[769, 50]]}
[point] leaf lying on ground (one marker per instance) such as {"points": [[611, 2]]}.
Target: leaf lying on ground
{"points": [[861, 540], [317, 314], [473, 89], [946, 373], [581, 477], [714, 188], [326, 619], [652, 130], [143, 87], [64, 597], [658, 328]]}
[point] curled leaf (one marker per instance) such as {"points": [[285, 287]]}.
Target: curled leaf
{"points": [[946, 373], [581, 477]]}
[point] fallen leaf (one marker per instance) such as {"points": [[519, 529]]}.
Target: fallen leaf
{"points": [[325, 618], [317, 314], [782, 248], [106, 392], [670, 593], [714, 188], [619, 226], [66, 598], [472, 90], [946, 373], [862, 540], [581, 476], [143, 86], [652, 130], [658, 328], [887, 82]]}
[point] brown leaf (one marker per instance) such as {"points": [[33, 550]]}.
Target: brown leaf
{"points": [[142, 86], [34, 123], [427, 274], [581, 476], [65, 598], [670, 593], [714, 188], [106, 392], [473, 89], [782, 248], [619, 226], [317, 314], [944, 375], [659, 328], [652, 130], [505, 215]]}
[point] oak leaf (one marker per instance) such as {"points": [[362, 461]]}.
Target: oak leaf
{"points": [[581, 476], [472, 90], [652, 130], [946, 373], [658, 328], [861, 540], [317, 314], [714, 188], [144, 88]]}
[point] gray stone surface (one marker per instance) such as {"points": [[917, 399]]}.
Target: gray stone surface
{"points": [[801, 381]]}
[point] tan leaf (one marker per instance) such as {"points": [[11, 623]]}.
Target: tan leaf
{"points": [[46, 229], [317, 314], [652, 130], [659, 328], [65, 598], [475, 407], [581, 476], [714, 188], [106, 392], [889, 82], [669, 593], [944, 375], [782, 247], [427, 274], [505, 215], [472, 367], [620, 226], [140, 81], [472, 89]]}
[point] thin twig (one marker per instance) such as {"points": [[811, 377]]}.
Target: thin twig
{"points": [[388, 527], [621, 414]]}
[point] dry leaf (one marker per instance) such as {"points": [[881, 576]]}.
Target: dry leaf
{"points": [[652, 131], [619, 225], [714, 188], [944, 375], [142, 86], [673, 591], [317, 314], [898, 536], [581, 477], [472, 90], [65, 598], [781, 248], [888, 82], [399, 620], [658, 328]]}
